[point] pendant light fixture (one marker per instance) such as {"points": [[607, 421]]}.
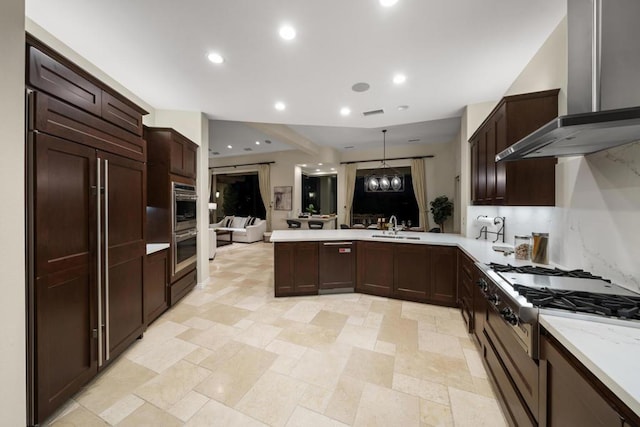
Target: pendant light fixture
{"points": [[385, 178]]}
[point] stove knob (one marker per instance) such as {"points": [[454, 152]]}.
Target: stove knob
{"points": [[508, 315], [482, 284], [494, 299]]}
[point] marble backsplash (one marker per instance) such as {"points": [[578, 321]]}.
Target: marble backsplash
{"points": [[596, 222]]}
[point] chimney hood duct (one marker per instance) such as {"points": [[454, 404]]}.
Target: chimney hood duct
{"points": [[603, 93]]}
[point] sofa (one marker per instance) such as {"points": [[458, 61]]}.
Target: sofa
{"points": [[241, 231]]}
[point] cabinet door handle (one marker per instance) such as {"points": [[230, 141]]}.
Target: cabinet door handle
{"points": [[99, 260], [337, 243], [106, 257]]}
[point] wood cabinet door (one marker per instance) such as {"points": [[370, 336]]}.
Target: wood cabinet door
{"points": [[124, 239], [283, 256], [571, 399], [120, 114], [444, 263], [474, 171], [481, 195], [411, 271], [375, 268], [64, 294], [176, 149], [296, 268], [189, 160], [156, 283], [490, 138], [500, 126]]}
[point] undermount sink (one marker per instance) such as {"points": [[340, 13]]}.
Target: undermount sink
{"points": [[394, 236]]}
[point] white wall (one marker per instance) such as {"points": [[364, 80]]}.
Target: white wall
{"points": [[12, 259], [440, 171]]}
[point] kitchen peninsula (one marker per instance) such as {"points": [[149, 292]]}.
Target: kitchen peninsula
{"points": [[442, 269]]}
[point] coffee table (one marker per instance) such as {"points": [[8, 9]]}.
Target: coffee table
{"points": [[223, 242]]}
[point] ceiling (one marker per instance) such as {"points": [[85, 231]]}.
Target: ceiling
{"points": [[452, 53]]}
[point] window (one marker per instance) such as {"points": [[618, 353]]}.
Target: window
{"points": [[368, 207], [239, 194], [319, 194]]}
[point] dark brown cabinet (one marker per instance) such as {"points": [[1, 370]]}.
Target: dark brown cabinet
{"points": [[443, 266], [571, 395], [172, 150], [411, 272], [375, 268], [522, 182], [156, 284], [465, 289], [86, 233], [296, 268], [337, 265]]}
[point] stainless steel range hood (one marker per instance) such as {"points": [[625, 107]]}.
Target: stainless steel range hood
{"points": [[603, 93]]}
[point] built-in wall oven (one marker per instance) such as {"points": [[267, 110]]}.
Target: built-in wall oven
{"points": [[184, 226], [185, 249], [184, 206]]}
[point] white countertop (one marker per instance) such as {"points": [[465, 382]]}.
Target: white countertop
{"points": [[609, 350], [156, 247], [480, 250]]}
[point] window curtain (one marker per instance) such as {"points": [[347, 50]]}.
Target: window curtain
{"points": [[264, 181], [350, 171], [419, 178]]}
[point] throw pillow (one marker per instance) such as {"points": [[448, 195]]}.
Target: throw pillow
{"points": [[227, 221], [253, 220], [248, 221]]}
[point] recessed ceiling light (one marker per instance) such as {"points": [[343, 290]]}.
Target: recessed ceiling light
{"points": [[333, 169], [399, 79], [319, 164], [387, 3], [360, 87], [215, 57], [317, 170], [345, 111], [257, 142], [403, 107], [287, 32], [280, 106], [304, 165], [229, 146]]}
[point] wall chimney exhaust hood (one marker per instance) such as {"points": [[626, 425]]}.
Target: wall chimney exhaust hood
{"points": [[603, 90]]}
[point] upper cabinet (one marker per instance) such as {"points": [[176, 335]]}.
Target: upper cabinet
{"points": [[46, 72], [174, 148], [523, 182]]}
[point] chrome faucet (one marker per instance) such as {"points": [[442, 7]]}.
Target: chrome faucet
{"points": [[394, 224]]}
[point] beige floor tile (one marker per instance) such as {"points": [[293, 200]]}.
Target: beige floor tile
{"points": [[319, 368], [225, 314], [330, 320], [470, 409], [433, 367], [381, 406], [168, 388], [316, 398], [303, 417], [198, 355], [285, 348], [157, 334], [79, 417], [308, 335], [216, 414], [304, 311], [198, 323], [399, 331], [186, 407], [385, 348], [214, 337], [149, 416], [373, 320], [284, 365], [258, 335], [435, 414], [252, 302], [121, 409], [244, 324], [474, 362], [171, 352], [439, 343], [272, 399], [358, 336], [345, 400], [116, 382], [229, 382], [434, 392], [455, 327], [221, 355], [371, 367]]}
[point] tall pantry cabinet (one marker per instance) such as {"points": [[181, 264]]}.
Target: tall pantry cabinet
{"points": [[86, 234]]}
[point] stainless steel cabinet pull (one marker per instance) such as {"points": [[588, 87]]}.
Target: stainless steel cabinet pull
{"points": [[337, 243], [99, 262], [106, 256]]}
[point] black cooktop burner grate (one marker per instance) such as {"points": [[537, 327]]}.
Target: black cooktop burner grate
{"points": [[582, 302], [543, 271]]}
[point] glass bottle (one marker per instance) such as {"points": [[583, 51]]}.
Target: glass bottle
{"points": [[522, 247]]}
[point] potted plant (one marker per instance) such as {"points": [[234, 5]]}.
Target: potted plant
{"points": [[441, 209]]}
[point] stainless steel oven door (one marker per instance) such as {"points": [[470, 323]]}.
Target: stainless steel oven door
{"points": [[184, 206], [185, 250]]}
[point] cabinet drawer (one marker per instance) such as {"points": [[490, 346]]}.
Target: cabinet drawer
{"points": [[51, 76], [182, 287], [120, 114]]}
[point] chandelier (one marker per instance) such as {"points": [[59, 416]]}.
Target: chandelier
{"points": [[384, 178]]}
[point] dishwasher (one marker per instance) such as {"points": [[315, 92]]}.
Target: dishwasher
{"points": [[337, 267]]}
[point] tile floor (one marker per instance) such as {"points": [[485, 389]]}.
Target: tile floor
{"points": [[233, 355]]}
